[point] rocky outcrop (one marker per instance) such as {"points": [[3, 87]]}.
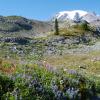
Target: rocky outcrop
{"points": [[19, 40]]}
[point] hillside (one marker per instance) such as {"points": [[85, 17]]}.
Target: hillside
{"points": [[21, 26]]}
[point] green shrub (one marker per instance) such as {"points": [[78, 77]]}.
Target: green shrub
{"points": [[82, 26], [6, 85]]}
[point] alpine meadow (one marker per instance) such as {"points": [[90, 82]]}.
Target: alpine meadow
{"points": [[57, 58]]}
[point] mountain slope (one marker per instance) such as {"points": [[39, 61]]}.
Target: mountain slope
{"points": [[12, 24], [90, 17]]}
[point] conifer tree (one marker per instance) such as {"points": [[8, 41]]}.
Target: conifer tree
{"points": [[56, 27], [77, 18]]}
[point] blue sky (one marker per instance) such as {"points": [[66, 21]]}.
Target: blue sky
{"points": [[45, 9]]}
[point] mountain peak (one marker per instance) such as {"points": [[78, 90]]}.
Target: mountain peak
{"points": [[65, 15], [70, 14]]}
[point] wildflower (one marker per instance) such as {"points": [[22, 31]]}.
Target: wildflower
{"points": [[75, 81], [30, 85], [65, 70], [47, 66], [61, 81], [59, 95], [39, 88], [72, 71], [54, 88], [72, 92]]}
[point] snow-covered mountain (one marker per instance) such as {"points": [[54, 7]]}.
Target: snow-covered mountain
{"points": [[76, 15], [90, 17]]}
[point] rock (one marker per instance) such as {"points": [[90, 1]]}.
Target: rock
{"points": [[82, 67]]}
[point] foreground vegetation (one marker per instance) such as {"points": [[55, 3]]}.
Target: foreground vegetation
{"points": [[42, 82], [61, 77], [42, 69]]}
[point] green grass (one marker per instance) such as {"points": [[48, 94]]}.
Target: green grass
{"points": [[75, 30], [73, 61]]}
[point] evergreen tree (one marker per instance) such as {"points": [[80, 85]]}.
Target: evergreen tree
{"points": [[56, 27], [85, 26], [77, 18]]}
